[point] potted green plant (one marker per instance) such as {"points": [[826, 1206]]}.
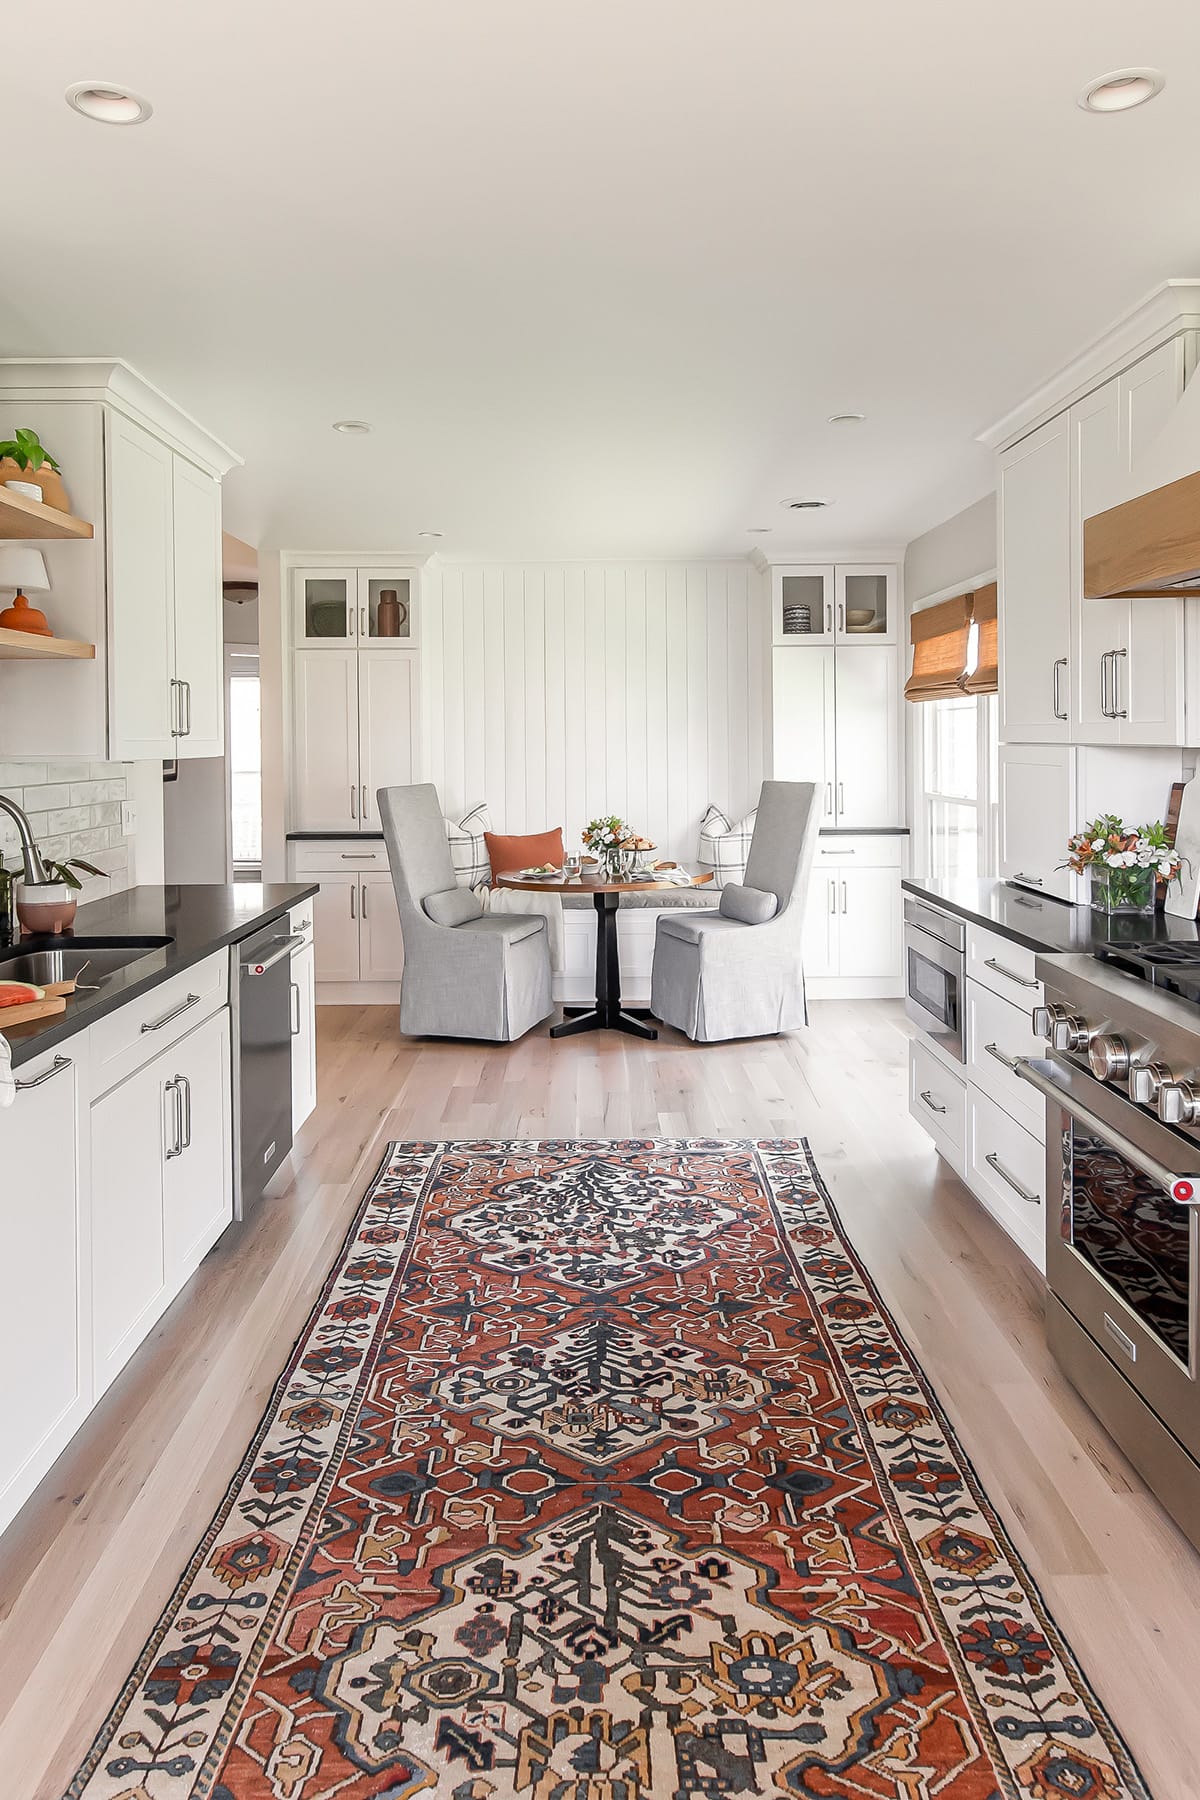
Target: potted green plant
{"points": [[27, 466], [49, 906]]}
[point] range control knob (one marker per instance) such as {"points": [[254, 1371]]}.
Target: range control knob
{"points": [[1045, 1018], [1178, 1103], [1109, 1058], [1146, 1082], [1070, 1033]]}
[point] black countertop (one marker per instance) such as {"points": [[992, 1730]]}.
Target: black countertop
{"points": [[1040, 923], [300, 837], [198, 920]]}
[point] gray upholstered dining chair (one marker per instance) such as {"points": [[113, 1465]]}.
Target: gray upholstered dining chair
{"points": [[467, 973], [738, 971]]}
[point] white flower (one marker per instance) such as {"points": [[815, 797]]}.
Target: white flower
{"points": [[1098, 845], [1165, 868]]}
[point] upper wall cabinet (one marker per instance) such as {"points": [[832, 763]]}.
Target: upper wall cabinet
{"points": [[335, 608], [1075, 670], [826, 604], [145, 589]]}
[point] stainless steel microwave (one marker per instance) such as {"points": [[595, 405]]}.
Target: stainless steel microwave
{"points": [[935, 965]]}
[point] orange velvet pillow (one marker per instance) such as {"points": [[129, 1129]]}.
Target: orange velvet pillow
{"points": [[507, 854]]}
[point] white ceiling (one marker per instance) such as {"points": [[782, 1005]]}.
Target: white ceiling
{"points": [[596, 273]]}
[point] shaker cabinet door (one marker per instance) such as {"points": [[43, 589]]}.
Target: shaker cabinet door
{"points": [[304, 1035], [335, 928], [199, 623], [325, 784], [1035, 586], [141, 592], [803, 712], [387, 726], [198, 1182], [133, 1127], [867, 778], [1036, 815], [382, 944]]}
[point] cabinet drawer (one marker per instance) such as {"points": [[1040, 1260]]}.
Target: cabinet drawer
{"points": [[300, 920], [138, 1031], [866, 852], [338, 856], [937, 1100], [1007, 968], [1006, 1168], [997, 1031]]}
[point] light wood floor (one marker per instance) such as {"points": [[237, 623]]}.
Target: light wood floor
{"points": [[88, 1565]]}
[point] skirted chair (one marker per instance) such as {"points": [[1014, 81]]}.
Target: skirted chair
{"points": [[467, 973], [738, 972]]}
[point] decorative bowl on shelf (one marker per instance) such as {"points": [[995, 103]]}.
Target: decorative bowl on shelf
{"points": [[859, 617]]}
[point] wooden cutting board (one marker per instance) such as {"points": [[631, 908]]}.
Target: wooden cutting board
{"points": [[33, 1009]]}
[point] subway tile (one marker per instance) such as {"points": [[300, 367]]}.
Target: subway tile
{"points": [[83, 793], [70, 818], [109, 813], [57, 847], [108, 790], [67, 771], [18, 774], [47, 799]]}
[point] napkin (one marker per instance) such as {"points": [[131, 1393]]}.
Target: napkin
{"points": [[8, 1086]]}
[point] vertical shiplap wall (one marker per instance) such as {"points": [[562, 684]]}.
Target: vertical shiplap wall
{"points": [[559, 691]]}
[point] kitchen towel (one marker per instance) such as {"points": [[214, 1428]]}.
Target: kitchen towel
{"points": [[8, 1086]]}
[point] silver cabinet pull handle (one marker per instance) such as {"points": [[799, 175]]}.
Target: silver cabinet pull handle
{"points": [[353, 899], [295, 1009], [362, 622], [1121, 1338], [1059, 713], [931, 1103], [186, 1092], [841, 798], [1036, 881], [841, 615], [829, 798], [358, 856], [366, 811], [364, 899], [304, 925], [1118, 711], [172, 1088], [844, 897], [176, 708], [837, 853], [993, 1162], [1029, 1070], [157, 1024], [1010, 1062], [832, 886], [31, 1081], [989, 962], [353, 800], [284, 948], [1105, 703], [187, 694], [828, 617]]}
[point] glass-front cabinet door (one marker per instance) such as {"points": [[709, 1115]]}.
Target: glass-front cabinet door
{"points": [[865, 604], [326, 607], [387, 609], [802, 604]]}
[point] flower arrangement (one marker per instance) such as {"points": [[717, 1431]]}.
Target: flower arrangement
{"points": [[1123, 863], [614, 843]]}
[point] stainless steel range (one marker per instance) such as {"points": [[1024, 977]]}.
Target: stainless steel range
{"points": [[1122, 1082]]}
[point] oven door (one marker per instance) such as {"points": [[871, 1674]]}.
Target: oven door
{"points": [[933, 987], [1122, 1254]]}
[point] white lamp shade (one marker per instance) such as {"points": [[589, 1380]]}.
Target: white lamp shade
{"points": [[21, 567]]}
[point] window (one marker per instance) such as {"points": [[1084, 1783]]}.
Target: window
{"points": [[245, 765], [958, 801]]}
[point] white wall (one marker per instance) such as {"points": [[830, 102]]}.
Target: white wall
{"points": [[557, 692], [953, 553]]}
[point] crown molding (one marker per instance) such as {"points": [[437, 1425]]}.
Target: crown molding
{"points": [[1162, 314], [114, 382]]}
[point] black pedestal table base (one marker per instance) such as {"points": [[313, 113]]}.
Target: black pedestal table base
{"points": [[607, 1014]]}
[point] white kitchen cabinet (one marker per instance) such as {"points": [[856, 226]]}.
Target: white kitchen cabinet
{"points": [[1037, 810], [1006, 1170], [354, 730], [335, 928], [387, 726], [871, 918], [197, 1196], [43, 1321], [325, 745], [836, 722], [199, 615], [866, 609], [164, 535], [141, 592], [132, 1129], [820, 603], [381, 947], [802, 605], [867, 734], [804, 720], [1034, 498], [1100, 634], [853, 919], [336, 608], [821, 927], [304, 1036]]}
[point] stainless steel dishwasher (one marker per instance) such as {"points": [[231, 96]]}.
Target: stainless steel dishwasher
{"points": [[263, 1070]]}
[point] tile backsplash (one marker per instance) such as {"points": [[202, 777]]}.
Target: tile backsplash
{"points": [[74, 809]]}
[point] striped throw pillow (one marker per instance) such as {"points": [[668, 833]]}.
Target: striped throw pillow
{"points": [[468, 850], [725, 847]]}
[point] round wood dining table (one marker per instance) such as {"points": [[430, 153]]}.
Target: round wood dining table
{"points": [[606, 1015]]}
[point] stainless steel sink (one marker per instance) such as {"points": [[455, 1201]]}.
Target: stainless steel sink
{"points": [[88, 961]]}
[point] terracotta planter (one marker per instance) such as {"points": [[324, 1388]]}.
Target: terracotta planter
{"points": [[49, 908], [53, 492]]}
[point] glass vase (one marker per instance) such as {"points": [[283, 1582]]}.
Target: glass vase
{"points": [[1121, 890]]}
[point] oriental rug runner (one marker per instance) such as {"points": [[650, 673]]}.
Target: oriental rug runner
{"points": [[600, 1473]]}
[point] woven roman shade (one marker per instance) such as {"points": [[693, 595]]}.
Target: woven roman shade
{"points": [[985, 676], [940, 635]]}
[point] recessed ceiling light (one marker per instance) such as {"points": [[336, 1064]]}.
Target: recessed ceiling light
{"points": [[107, 103], [804, 504], [429, 534], [847, 418], [1121, 90], [355, 427]]}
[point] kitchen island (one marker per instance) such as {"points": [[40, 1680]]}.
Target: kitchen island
{"points": [[120, 1147]]}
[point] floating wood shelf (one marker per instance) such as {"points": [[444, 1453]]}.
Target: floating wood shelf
{"points": [[21, 517], [26, 644]]}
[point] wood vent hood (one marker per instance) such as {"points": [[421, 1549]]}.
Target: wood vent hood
{"points": [[1147, 548]]}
